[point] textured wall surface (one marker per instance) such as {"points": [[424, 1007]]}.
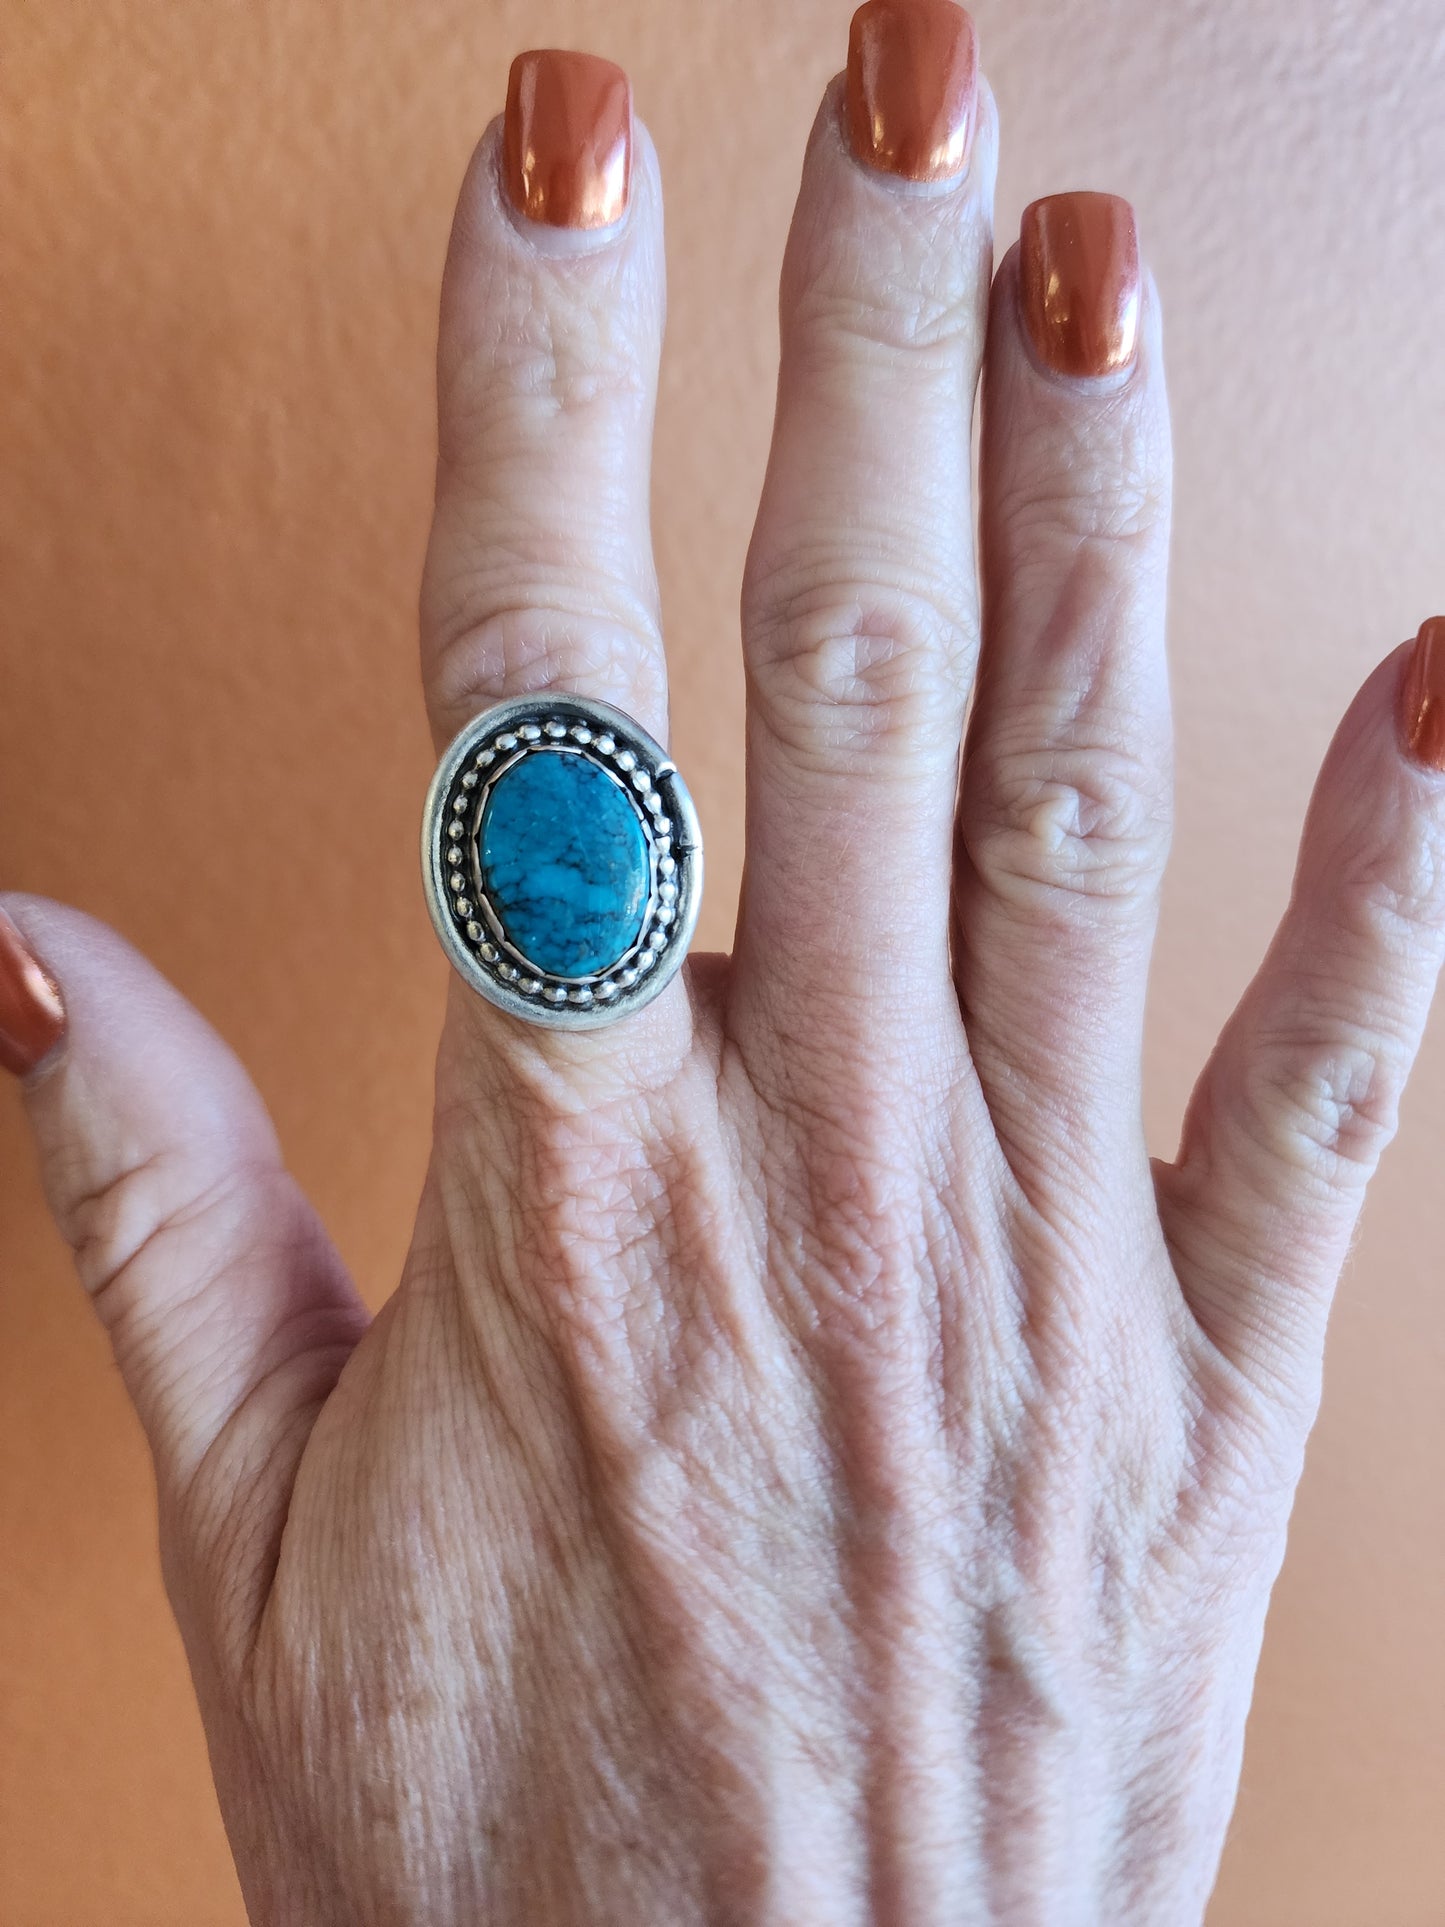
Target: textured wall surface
{"points": [[222, 233]]}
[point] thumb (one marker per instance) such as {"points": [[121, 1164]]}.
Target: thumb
{"points": [[228, 1309]]}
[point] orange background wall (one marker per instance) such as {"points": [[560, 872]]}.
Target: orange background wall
{"points": [[221, 233]]}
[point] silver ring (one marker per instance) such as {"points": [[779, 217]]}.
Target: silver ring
{"points": [[562, 861]]}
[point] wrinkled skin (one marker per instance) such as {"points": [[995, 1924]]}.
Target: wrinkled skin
{"points": [[814, 1469]]}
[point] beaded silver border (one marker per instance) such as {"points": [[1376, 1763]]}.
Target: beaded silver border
{"points": [[471, 933]]}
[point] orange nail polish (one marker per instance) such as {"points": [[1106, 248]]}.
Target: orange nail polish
{"points": [[567, 139], [1079, 282], [1422, 696], [912, 87], [32, 1017]]}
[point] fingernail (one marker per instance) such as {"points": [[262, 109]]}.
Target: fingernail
{"points": [[32, 1017], [567, 141], [1079, 283], [912, 87], [1422, 696]]}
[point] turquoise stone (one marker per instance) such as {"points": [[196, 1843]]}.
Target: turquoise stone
{"points": [[564, 863]]}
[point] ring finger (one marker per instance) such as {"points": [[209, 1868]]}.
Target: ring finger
{"points": [[1064, 821], [539, 573]]}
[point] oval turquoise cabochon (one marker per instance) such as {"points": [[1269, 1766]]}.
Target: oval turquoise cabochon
{"points": [[564, 863]]}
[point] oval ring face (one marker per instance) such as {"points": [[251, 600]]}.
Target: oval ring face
{"points": [[562, 861]]}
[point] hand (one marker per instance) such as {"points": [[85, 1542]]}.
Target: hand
{"points": [[813, 1468]]}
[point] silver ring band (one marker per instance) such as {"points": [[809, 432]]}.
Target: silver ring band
{"points": [[562, 861]]}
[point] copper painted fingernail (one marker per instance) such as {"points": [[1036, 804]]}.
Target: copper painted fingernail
{"points": [[567, 139], [32, 1017], [912, 87], [1079, 283], [1422, 696]]}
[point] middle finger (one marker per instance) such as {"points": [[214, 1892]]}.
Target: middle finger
{"points": [[860, 600]]}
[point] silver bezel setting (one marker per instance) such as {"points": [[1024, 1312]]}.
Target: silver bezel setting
{"points": [[471, 932]]}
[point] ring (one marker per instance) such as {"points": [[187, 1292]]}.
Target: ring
{"points": [[562, 861]]}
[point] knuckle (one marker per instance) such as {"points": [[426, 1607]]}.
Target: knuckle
{"points": [[594, 1193], [837, 670], [915, 282], [148, 1218], [1083, 821], [1324, 1108], [542, 358], [105, 1224], [864, 1250], [876, 311], [1120, 508], [1092, 481], [1393, 898], [858, 1233], [480, 651]]}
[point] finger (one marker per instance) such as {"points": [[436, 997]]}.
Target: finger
{"points": [[1299, 1098], [860, 602], [539, 573], [1063, 820], [229, 1311]]}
